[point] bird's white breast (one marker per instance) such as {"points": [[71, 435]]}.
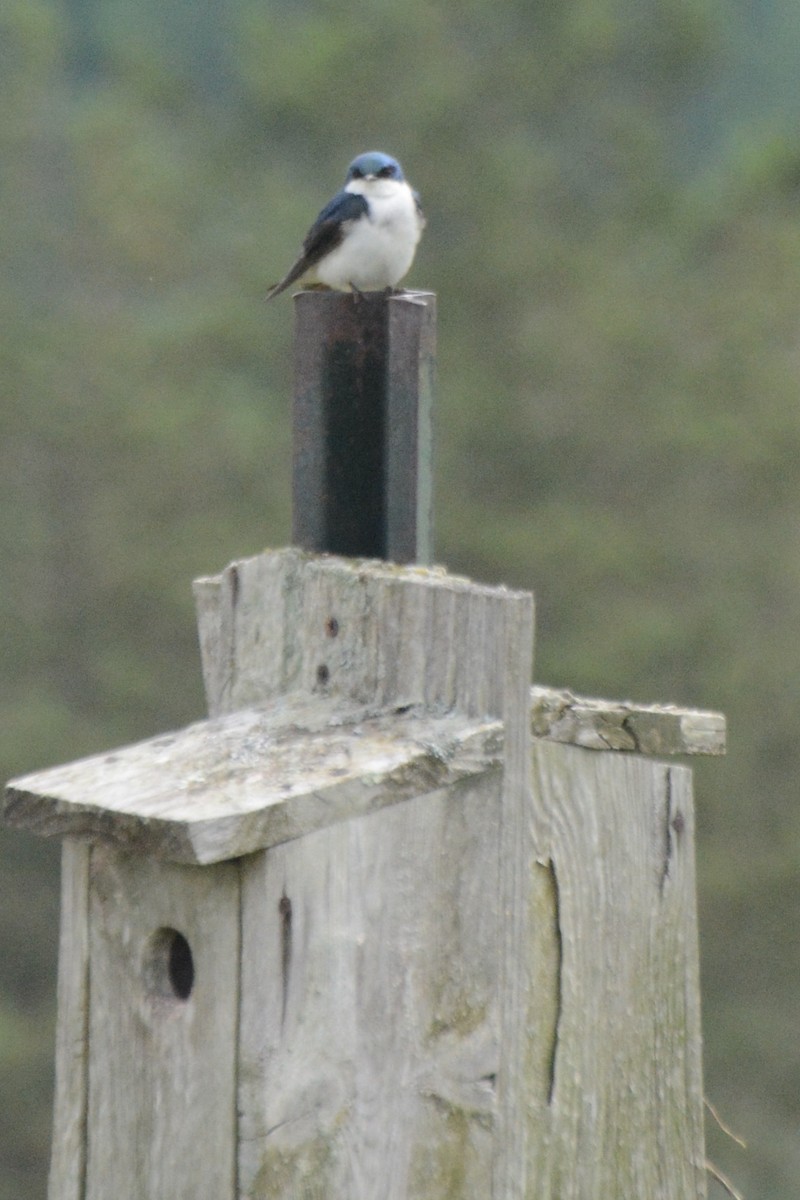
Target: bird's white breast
{"points": [[377, 250]]}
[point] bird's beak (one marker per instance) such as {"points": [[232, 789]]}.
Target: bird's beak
{"points": [[370, 177]]}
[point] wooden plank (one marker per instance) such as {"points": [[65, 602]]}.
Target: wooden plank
{"points": [[660, 729], [222, 788], [370, 1010], [619, 1112], [368, 632], [513, 631], [162, 1058], [232, 786], [206, 793], [244, 619], [68, 1153], [387, 1045]]}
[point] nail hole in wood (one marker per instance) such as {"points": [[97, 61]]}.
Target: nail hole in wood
{"points": [[323, 674]]}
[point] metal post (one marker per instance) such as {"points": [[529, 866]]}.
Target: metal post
{"points": [[361, 481]]}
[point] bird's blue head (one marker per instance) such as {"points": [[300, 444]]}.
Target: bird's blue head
{"points": [[374, 165]]}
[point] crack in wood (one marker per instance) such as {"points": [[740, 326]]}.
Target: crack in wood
{"points": [[285, 910], [653, 729], [630, 728], [557, 978], [668, 826]]}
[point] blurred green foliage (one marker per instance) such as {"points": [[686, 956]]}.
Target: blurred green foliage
{"points": [[612, 191]]}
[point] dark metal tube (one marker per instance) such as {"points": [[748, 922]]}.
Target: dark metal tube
{"points": [[362, 467]]}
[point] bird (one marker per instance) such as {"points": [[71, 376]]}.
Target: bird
{"points": [[365, 238]]}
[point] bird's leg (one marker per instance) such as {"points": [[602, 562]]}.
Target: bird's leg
{"points": [[357, 293]]}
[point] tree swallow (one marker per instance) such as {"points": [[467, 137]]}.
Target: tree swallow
{"points": [[364, 240]]}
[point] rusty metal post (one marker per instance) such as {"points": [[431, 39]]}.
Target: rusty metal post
{"points": [[361, 479]]}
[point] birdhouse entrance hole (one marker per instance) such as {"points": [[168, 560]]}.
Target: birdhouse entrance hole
{"points": [[169, 966]]}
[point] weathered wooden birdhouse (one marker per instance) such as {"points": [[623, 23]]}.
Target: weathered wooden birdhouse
{"points": [[388, 925]]}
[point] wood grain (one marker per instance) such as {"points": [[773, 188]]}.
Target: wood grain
{"points": [[368, 632], [660, 729], [68, 1156], [370, 1019], [622, 1112], [219, 789], [453, 955], [161, 1068]]}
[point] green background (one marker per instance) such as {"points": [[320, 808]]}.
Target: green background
{"points": [[612, 191]]}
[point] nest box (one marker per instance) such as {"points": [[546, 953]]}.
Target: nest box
{"points": [[368, 932]]}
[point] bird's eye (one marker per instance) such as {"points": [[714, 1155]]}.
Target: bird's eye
{"points": [[386, 172], [357, 173]]}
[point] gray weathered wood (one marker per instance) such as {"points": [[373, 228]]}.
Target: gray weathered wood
{"points": [[399, 637], [468, 960], [561, 716], [370, 1007], [619, 1110], [251, 779], [161, 1069], [368, 632], [516, 926], [222, 788], [68, 1156]]}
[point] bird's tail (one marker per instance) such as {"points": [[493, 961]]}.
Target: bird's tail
{"points": [[276, 289], [291, 277]]}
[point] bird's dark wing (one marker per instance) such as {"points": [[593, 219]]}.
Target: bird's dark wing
{"points": [[324, 235], [420, 213], [345, 206]]}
